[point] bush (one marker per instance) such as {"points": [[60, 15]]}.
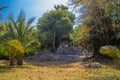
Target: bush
{"points": [[111, 51]]}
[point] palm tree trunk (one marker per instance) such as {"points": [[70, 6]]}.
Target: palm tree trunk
{"points": [[11, 59], [20, 61]]}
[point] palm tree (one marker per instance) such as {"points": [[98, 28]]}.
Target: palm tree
{"points": [[24, 33], [17, 45], [12, 47]]}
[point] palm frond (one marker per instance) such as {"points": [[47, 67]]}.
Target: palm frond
{"points": [[30, 21], [32, 46], [3, 7], [16, 44]]}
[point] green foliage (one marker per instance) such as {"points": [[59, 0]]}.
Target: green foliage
{"points": [[110, 51], [102, 17], [24, 32], [80, 35], [55, 25], [19, 38], [12, 46], [16, 44], [60, 7], [3, 29]]}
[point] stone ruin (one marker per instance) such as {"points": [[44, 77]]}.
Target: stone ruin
{"points": [[64, 53], [64, 48]]}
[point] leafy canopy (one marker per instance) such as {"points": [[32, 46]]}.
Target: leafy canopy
{"points": [[55, 25]]}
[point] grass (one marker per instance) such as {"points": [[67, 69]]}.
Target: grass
{"points": [[53, 70]]}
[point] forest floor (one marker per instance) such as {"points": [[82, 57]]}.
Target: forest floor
{"points": [[57, 70]]}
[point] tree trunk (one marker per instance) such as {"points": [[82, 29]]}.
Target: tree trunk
{"points": [[46, 47], [11, 59], [54, 35], [20, 61]]}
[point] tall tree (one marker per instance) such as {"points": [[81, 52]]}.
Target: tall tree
{"points": [[101, 16], [56, 25], [80, 35]]}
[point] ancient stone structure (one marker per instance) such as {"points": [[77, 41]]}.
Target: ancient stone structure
{"points": [[64, 48], [64, 53]]}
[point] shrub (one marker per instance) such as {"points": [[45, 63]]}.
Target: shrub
{"points": [[111, 51]]}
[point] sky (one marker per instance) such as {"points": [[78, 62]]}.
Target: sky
{"points": [[32, 8]]}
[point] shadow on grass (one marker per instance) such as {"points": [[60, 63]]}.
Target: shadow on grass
{"points": [[105, 78], [65, 64], [4, 67], [61, 64], [108, 62]]}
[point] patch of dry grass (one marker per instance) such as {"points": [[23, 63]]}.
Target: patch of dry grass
{"points": [[54, 70]]}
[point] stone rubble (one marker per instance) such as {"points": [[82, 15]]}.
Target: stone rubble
{"points": [[64, 53], [92, 65], [54, 57]]}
